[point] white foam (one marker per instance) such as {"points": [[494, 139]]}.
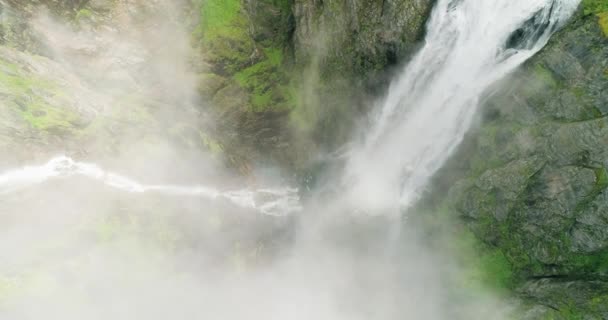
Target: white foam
{"points": [[275, 202], [430, 107]]}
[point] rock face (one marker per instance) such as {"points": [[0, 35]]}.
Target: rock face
{"points": [[356, 38], [272, 68], [347, 48], [535, 172]]}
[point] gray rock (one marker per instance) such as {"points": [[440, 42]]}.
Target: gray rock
{"points": [[590, 232], [534, 180]]}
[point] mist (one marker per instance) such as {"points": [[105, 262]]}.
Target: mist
{"points": [[140, 222]]}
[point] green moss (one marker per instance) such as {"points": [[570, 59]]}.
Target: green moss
{"points": [[599, 302], [604, 22], [46, 118], [570, 312], [599, 8], [84, 14], [601, 179], [211, 144], [13, 81], [217, 16], [545, 76], [258, 68], [601, 183], [483, 266], [488, 266], [224, 34], [26, 91], [595, 6], [265, 81], [274, 56]]}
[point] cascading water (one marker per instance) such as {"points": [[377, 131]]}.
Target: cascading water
{"points": [[429, 108], [269, 201]]}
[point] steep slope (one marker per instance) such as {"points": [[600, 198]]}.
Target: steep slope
{"points": [[535, 172], [348, 50], [277, 71]]}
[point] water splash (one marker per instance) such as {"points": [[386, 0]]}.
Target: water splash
{"points": [[268, 201], [430, 107]]}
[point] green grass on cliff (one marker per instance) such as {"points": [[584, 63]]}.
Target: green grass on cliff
{"points": [[256, 67], [219, 17], [46, 118], [223, 33], [267, 82], [595, 6]]}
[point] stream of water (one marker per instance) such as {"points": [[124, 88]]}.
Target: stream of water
{"points": [[268, 201]]}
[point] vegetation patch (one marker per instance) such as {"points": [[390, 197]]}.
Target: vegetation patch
{"points": [[599, 8], [46, 118], [544, 75], [487, 266], [259, 68], [483, 267], [595, 6], [266, 81], [84, 14], [223, 34], [26, 93], [604, 22]]}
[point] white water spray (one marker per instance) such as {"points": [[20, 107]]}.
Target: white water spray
{"points": [[431, 106], [268, 201]]}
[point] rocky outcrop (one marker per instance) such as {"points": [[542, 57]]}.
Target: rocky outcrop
{"points": [[533, 177], [347, 49]]}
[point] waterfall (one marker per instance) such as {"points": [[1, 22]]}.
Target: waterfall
{"points": [[83, 255], [428, 109], [469, 46]]}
